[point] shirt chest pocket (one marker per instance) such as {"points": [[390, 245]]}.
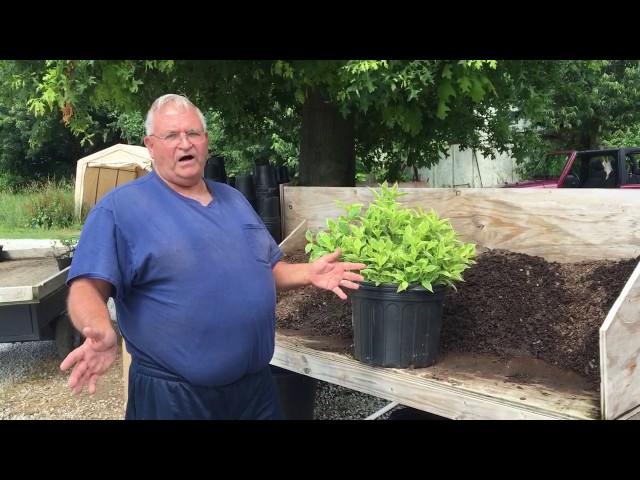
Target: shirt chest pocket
{"points": [[259, 242]]}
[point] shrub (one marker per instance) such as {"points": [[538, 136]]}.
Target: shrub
{"points": [[399, 245], [49, 205]]}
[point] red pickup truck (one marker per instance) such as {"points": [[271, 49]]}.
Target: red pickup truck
{"points": [[610, 168]]}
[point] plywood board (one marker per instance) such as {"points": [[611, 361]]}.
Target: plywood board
{"points": [[296, 239], [443, 389], [620, 351], [561, 225]]}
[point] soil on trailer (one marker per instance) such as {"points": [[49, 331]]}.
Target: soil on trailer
{"points": [[537, 319]]}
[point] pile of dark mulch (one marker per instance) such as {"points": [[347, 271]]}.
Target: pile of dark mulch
{"points": [[316, 311], [510, 304]]}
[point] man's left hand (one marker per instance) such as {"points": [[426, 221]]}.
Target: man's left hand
{"points": [[328, 273]]}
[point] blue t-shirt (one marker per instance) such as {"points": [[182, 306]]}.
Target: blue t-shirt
{"points": [[194, 288]]}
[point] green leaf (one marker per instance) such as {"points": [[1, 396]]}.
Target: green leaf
{"points": [[477, 90]]}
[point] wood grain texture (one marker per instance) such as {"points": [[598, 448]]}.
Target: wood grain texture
{"points": [[462, 396], [620, 351], [561, 225]]}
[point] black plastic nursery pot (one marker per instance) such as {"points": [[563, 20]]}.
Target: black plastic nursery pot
{"points": [[297, 393], [398, 330], [215, 170], [244, 183], [265, 176]]}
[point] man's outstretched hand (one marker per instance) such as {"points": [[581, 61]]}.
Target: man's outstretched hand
{"points": [[91, 359], [328, 273]]}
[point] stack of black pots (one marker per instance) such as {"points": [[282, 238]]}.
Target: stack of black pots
{"points": [[268, 199], [214, 169], [261, 189], [244, 184]]}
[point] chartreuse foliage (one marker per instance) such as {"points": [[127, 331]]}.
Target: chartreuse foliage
{"points": [[399, 245]]}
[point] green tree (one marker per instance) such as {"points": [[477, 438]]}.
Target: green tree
{"points": [[590, 99], [36, 146], [338, 106], [388, 114]]}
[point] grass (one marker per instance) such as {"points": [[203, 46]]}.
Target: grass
{"points": [[38, 233], [42, 210]]}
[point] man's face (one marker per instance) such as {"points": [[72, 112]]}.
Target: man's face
{"points": [[180, 162]]}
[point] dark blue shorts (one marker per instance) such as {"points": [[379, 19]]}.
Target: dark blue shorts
{"points": [[155, 394]]}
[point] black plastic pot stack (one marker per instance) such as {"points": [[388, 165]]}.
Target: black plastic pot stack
{"points": [[296, 392], [244, 184], [214, 169], [282, 174], [268, 199]]}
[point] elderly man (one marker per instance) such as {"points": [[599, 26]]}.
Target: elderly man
{"points": [[194, 274]]}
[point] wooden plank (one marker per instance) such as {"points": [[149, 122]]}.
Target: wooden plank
{"points": [[620, 351], [561, 225], [632, 415], [295, 240], [469, 396]]}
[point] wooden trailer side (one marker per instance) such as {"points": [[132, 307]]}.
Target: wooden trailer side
{"points": [[560, 225], [620, 352]]}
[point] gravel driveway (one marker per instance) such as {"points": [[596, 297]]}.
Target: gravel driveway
{"points": [[33, 387]]}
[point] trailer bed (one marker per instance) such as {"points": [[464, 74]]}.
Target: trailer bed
{"points": [[459, 386], [29, 279]]}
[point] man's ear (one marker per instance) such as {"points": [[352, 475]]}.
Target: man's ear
{"points": [[148, 142]]}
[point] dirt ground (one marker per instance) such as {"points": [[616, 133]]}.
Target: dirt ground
{"points": [[511, 306], [38, 390]]}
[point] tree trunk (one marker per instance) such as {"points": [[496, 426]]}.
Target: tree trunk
{"points": [[327, 145], [589, 138]]}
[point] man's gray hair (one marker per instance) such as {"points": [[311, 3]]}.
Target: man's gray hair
{"points": [[179, 100]]}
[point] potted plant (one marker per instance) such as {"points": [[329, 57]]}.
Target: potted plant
{"points": [[68, 247], [411, 257]]}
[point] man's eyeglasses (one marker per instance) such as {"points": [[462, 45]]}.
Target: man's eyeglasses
{"points": [[174, 138]]}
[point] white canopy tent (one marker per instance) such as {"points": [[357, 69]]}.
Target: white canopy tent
{"points": [[102, 171]]}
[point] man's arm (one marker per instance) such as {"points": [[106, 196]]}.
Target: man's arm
{"points": [[87, 306], [325, 272], [291, 275], [87, 303]]}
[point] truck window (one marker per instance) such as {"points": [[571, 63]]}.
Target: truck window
{"points": [[633, 172], [550, 166], [597, 171]]}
